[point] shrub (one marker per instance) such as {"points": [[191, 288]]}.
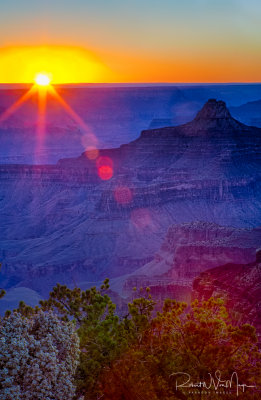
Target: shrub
{"points": [[38, 357]]}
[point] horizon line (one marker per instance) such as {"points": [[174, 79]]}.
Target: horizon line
{"points": [[133, 83]]}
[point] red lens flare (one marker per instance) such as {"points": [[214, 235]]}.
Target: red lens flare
{"points": [[41, 121], [105, 172], [123, 195], [105, 168], [41, 113]]}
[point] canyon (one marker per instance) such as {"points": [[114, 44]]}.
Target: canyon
{"points": [[159, 210]]}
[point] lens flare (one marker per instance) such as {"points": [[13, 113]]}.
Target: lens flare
{"points": [[123, 195], [105, 168], [92, 153], [105, 172]]}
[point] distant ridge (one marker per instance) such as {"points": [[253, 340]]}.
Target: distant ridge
{"points": [[248, 113]]}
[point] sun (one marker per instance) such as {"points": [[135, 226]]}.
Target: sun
{"points": [[42, 79]]}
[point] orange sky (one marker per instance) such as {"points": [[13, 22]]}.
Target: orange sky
{"points": [[137, 41], [71, 64]]}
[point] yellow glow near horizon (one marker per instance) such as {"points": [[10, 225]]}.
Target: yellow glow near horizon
{"points": [[42, 79], [72, 64], [68, 64]]}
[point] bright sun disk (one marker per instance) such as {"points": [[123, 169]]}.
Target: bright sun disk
{"points": [[42, 80]]}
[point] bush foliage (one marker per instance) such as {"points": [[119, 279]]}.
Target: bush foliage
{"points": [[145, 355], [38, 358]]}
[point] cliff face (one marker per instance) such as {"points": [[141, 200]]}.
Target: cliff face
{"points": [[199, 245], [239, 285], [188, 249], [64, 223]]}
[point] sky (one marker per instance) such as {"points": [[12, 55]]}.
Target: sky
{"points": [[131, 41]]}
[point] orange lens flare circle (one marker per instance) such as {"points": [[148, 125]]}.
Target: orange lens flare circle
{"points": [[92, 153]]}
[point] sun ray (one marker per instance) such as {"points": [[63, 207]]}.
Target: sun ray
{"points": [[43, 87], [41, 120], [42, 94], [68, 108], [91, 142], [14, 107]]}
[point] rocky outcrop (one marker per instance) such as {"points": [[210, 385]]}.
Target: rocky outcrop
{"points": [[239, 285], [215, 114]]}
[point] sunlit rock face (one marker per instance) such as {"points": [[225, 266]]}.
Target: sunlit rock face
{"points": [[239, 285], [198, 246], [190, 248], [87, 218]]}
